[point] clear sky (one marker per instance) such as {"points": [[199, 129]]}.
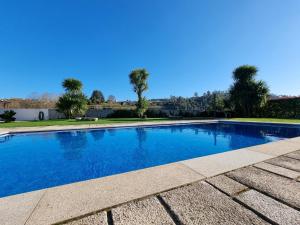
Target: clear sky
{"points": [[187, 45]]}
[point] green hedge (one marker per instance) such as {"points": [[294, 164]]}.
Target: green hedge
{"points": [[123, 113], [282, 108]]}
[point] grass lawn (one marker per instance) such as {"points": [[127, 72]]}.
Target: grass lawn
{"points": [[74, 122], [125, 120], [271, 120]]}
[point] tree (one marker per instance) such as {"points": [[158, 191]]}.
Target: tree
{"points": [[72, 85], [73, 102], [144, 104], [247, 95], [138, 79], [216, 103], [111, 99], [8, 116], [97, 97]]}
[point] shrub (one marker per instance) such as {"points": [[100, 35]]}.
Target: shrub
{"points": [[282, 108], [123, 113], [8, 116], [152, 113], [72, 104]]}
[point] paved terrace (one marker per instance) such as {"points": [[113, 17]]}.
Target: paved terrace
{"points": [[265, 193]]}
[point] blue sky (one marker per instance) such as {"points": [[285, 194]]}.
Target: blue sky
{"points": [[187, 46]]}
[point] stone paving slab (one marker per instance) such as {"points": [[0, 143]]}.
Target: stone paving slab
{"points": [[274, 199], [15, 210], [276, 148], [295, 139], [3, 132], [277, 186], [270, 208], [200, 203], [278, 170], [220, 163], [294, 155], [146, 212], [226, 184], [73, 200], [286, 162], [96, 219]]}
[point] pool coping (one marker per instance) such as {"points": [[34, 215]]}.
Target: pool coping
{"points": [[260, 123], [54, 128], [67, 202]]}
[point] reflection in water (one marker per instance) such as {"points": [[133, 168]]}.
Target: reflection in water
{"points": [[209, 129], [73, 143], [98, 134], [238, 134], [175, 129], [112, 131], [215, 134], [5, 138], [141, 134], [140, 153]]}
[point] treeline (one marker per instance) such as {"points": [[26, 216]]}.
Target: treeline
{"points": [[246, 97], [209, 101], [74, 103]]}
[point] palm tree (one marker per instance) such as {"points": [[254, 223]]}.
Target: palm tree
{"points": [[73, 102], [72, 85], [138, 79], [247, 95]]}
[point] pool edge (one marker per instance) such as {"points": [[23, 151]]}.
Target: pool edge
{"points": [[17, 130], [260, 123]]}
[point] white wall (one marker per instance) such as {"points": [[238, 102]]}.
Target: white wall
{"points": [[28, 114]]}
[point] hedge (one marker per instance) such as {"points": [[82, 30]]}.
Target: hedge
{"points": [[282, 108]]}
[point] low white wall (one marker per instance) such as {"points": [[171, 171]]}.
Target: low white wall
{"points": [[28, 114]]}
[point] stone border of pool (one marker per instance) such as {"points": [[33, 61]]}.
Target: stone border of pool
{"points": [[72, 201], [98, 126]]}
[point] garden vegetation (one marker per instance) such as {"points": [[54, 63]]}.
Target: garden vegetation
{"points": [[246, 97], [73, 102], [138, 79]]}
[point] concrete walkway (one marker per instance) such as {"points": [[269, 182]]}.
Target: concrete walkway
{"points": [[264, 193]]}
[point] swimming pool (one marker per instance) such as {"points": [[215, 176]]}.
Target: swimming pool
{"points": [[33, 161]]}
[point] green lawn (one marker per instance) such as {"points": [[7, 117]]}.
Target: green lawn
{"points": [[74, 122], [125, 120], [271, 120]]}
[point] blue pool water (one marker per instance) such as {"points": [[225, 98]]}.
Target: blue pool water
{"points": [[39, 160]]}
